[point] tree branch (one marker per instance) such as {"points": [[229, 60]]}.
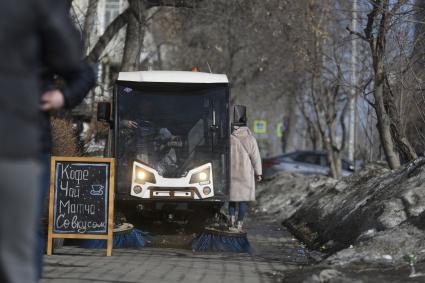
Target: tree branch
{"points": [[89, 23], [369, 26], [397, 6], [172, 3], [356, 33], [343, 127], [112, 29]]}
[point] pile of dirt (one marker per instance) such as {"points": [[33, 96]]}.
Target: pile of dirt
{"points": [[373, 216], [283, 194]]}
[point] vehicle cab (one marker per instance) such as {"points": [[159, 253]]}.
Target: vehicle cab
{"points": [[171, 137]]}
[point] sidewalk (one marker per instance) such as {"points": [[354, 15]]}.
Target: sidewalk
{"points": [[274, 253]]}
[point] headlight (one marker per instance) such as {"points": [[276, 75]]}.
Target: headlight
{"points": [[142, 176], [203, 176]]}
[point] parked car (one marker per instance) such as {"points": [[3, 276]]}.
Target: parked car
{"points": [[303, 162]]}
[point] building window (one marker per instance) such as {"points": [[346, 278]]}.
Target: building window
{"points": [[112, 10]]}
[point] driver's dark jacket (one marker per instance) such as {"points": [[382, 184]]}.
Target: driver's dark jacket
{"points": [[33, 33]]}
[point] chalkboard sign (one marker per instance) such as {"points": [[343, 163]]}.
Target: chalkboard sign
{"points": [[81, 199]]}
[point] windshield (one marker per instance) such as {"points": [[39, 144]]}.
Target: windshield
{"points": [[172, 129]]}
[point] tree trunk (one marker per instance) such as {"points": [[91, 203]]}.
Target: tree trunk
{"points": [[403, 146], [172, 3], [134, 36], [87, 35], [334, 159], [393, 140], [89, 24], [314, 135], [290, 125], [384, 123]]}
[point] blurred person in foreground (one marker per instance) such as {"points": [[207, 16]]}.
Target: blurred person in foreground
{"points": [[245, 168], [33, 33], [57, 93]]}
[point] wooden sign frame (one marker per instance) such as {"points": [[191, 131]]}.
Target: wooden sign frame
{"points": [[109, 237]]}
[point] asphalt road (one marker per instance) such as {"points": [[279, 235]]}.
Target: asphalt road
{"points": [[275, 254]]}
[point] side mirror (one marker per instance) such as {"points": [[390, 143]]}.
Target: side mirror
{"points": [[104, 112]]}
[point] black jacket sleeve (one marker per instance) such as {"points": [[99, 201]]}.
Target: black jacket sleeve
{"points": [[78, 85]]}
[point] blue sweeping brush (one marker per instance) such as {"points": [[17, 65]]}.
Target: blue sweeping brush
{"points": [[218, 238], [125, 236]]}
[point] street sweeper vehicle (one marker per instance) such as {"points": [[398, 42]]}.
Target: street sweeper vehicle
{"points": [[170, 134]]}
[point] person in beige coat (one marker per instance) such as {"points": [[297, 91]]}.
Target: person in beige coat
{"points": [[245, 170]]}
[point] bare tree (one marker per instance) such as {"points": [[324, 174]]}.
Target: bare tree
{"points": [[393, 139], [289, 57], [135, 14], [290, 124], [111, 30], [324, 103], [134, 36], [89, 24]]}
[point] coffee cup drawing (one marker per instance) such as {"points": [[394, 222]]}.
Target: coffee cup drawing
{"points": [[97, 190]]}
